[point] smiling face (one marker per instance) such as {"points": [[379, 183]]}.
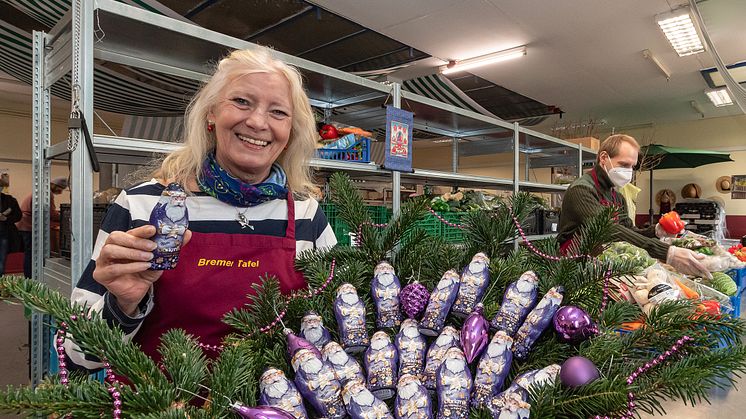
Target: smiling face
{"points": [[252, 124]]}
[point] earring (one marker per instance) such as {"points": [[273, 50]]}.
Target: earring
{"points": [[210, 126]]}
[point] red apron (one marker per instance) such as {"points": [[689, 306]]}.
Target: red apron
{"points": [[564, 247], [214, 276]]}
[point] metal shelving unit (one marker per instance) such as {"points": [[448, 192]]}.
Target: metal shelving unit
{"points": [[134, 37]]}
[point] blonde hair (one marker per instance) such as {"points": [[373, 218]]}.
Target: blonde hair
{"points": [[613, 143], [185, 163]]}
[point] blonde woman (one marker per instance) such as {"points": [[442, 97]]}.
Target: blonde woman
{"points": [[248, 134]]}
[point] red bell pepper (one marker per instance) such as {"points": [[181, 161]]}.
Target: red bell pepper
{"points": [[671, 222]]}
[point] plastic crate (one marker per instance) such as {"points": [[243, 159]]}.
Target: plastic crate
{"points": [[358, 152], [378, 214], [99, 212], [739, 276], [452, 234]]}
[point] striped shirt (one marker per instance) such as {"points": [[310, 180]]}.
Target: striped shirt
{"points": [[132, 209]]}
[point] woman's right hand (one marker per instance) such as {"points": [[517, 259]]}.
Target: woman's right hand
{"points": [[123, 266]]}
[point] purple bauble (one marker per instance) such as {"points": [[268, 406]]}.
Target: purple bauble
{"points": [[413, 299], [296, 342], [260, 412], [578, 371], [474, 337], [573, 324]]}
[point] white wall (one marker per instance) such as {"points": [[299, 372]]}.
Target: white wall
{"points": [[720, 134]]}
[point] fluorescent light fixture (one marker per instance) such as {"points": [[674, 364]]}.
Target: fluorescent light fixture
{"points": [[719, 97], [647, 54], [495, 57], [681, 32]]}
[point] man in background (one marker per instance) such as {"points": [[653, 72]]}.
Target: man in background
{"points": [[10, 212], [57, 186]]}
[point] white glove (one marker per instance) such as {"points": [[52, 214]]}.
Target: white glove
{"points": [[661, 233], [687, 262]]}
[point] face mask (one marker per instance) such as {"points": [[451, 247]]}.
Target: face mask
{"points": [[619, 176]]}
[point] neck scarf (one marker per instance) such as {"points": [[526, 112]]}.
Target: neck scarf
{"points": [[222, 185]]}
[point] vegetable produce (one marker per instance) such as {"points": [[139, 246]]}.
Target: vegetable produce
{"points": [[739, 252], [671, 222], [688, 292], [625, 252], [329, 132], [723, 283]]}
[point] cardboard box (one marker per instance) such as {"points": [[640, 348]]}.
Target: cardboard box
{"points": [[591, 142]]}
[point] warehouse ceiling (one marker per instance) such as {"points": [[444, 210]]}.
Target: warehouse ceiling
{"points": [[583, 56], [295, 27]]}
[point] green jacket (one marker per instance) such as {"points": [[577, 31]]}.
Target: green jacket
{"points": [[583, 199]]}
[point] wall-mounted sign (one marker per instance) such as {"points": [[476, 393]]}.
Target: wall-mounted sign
{"points": [[738, 187]]}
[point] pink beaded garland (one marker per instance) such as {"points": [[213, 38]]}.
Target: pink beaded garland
{"points": [[629, 414], [444, 221]]}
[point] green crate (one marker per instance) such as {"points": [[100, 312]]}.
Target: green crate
{"points": [[378, 214], [452, 234]]}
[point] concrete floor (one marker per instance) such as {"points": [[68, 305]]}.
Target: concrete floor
{"points": [[14, 371]]}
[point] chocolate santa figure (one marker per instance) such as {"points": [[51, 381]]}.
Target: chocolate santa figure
{"points": [[441, 300], [277, 391], [520, 297], [312, 329], [453, 386], [345, 367], [350, 313], [385, 288], [362, 404], [318, 385], [171, 220], [381, 360], [475, 279], [509, 405], [412, 399], [447, 339], [537, 321], [411, 346], [493, 368]]}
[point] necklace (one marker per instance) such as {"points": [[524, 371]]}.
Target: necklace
{"points": [[242, 219]]}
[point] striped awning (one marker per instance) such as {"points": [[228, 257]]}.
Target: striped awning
{"points": [[438, 87]]}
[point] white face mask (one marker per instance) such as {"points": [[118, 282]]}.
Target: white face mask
{"points": [[619, 176]]}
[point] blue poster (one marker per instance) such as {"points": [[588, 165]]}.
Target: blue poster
{"points": [[399, 127]]}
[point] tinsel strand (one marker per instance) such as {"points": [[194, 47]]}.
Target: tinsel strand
{"points": [[676, 347]]}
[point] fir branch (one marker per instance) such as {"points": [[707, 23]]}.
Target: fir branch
{"points": [[425, 258], [594, 233], [83, 398], [183, 359], [235, 376], [261, 309], [93, 336]]}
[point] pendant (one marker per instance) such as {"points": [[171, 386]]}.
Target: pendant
{"points": [[241, 218]]}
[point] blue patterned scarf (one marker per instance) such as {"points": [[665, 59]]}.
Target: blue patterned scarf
{"points": [[220, 184]]}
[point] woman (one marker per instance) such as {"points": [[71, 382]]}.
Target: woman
{"points": [[248, 134]]}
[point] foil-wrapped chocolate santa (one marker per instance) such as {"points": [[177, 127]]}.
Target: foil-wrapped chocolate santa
{"points": [[385, 288], [475, 279], [447, 339], [519, 299], [171, 220], [318, 385], [350, 313], [492, 369], [277, 391], [362, 404], [345, 367], [536, 322], [510, 406], [524, 382], [381, 360], [312, 329], [411, 346], [453, 385], [412, 399], [441, 300]]}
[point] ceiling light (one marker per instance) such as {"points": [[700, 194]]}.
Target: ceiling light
{"points": [[719, 97], [681, 32], [697, 108], [647, 54], [495, 57]]}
